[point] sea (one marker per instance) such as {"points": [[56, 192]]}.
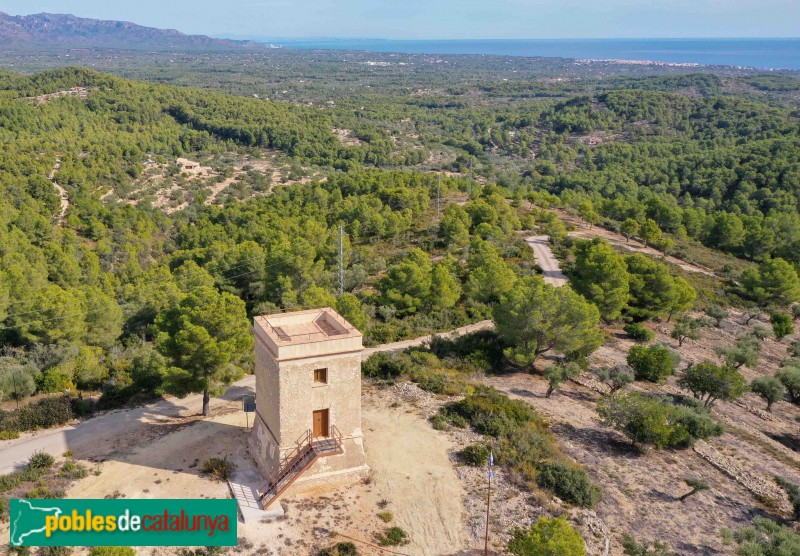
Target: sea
{"points": [[778, 53]]}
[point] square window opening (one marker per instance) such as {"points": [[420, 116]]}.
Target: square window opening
{"points": [[320, 376]]}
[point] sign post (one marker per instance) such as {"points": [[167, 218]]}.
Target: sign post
{"points": [[248, 406]]}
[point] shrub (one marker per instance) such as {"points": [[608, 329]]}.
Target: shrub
{"points": [[616, 377], [44, 492], [55, 551], [41, 460], [790, 378], [386, 517], [382, 366], [13, 480], [548, 537], [653, 363], [483, 349], [781, 325], [767, 538], [73, 471], [633, 548], [490, 412], [340, 549], [657, 422], [636, 331], [439, 422], [9, 435], [525, 446], [393, 536], [112, 551], [45, 413], [475, 455], [219, 468], [793, 492], [717, 313], [571, 484]]}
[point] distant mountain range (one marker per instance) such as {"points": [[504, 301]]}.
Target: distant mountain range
{"points": [[47, 31]]}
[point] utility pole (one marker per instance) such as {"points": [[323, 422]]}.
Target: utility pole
{"points": [[470, 177], [488, 500], [341, 259], [438, 196]]}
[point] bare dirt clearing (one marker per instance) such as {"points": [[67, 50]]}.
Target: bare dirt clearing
{"points": [[412, 477]]}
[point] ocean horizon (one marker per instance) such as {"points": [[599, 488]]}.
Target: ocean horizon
{"points": [[771, 53]]}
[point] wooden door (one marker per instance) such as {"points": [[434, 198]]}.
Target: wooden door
{"points": [[321, 423]]}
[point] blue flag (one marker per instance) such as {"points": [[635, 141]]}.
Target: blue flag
{"points": [[491, 465]]}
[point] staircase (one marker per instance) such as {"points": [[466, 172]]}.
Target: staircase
{"points": [[307, 450]]}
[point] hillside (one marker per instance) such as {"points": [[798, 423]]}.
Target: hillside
{"points": [[47, 31], [142, 223]]}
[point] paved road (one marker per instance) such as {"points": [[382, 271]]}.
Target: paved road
{"points": [[545, 259], [113, 431]]}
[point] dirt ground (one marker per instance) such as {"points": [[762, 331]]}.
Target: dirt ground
{"points": [[412, 476]]}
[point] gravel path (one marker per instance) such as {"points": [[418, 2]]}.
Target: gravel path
{"points": [[546, 260]]}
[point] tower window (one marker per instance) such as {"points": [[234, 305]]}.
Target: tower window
{"points": [[320, 376]]}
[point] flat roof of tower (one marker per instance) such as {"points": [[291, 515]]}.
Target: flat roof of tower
{"points": [[303, 327]]}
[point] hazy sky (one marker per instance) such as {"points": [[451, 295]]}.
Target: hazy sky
{"points": [[446, 19]]}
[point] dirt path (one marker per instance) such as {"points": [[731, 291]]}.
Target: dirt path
{"points": [[546, 260], [405, 344], [62, 193], [619, 240]]}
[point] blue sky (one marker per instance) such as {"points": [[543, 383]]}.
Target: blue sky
{"points": [[443, 19]]}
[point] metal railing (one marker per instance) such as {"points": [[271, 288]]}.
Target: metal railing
{"points": [[306, 450]]}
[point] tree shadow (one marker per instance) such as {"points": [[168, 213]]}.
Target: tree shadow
{"points": [[598, 440], [788, 440], [524, 393], [118, 434]]}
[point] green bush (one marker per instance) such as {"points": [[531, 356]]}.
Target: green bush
{"points": [[490, 412], [393, 536], [112, 551], [73, 471], [570, 483], [767, 538], [13, 480], [340, 549], [55, 551], [41, 460], [482, 349], [548, 537], [219, 468], [382, 366], [525, 446], [9, 435], [636, 331], [45, 413], [652, 363], [658, 422], [440, 422], [475, 455]]}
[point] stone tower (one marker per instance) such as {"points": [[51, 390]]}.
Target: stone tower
{"points": [[308, 392]]}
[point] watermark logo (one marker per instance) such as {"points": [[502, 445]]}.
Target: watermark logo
{"points": [[101, 522]]}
